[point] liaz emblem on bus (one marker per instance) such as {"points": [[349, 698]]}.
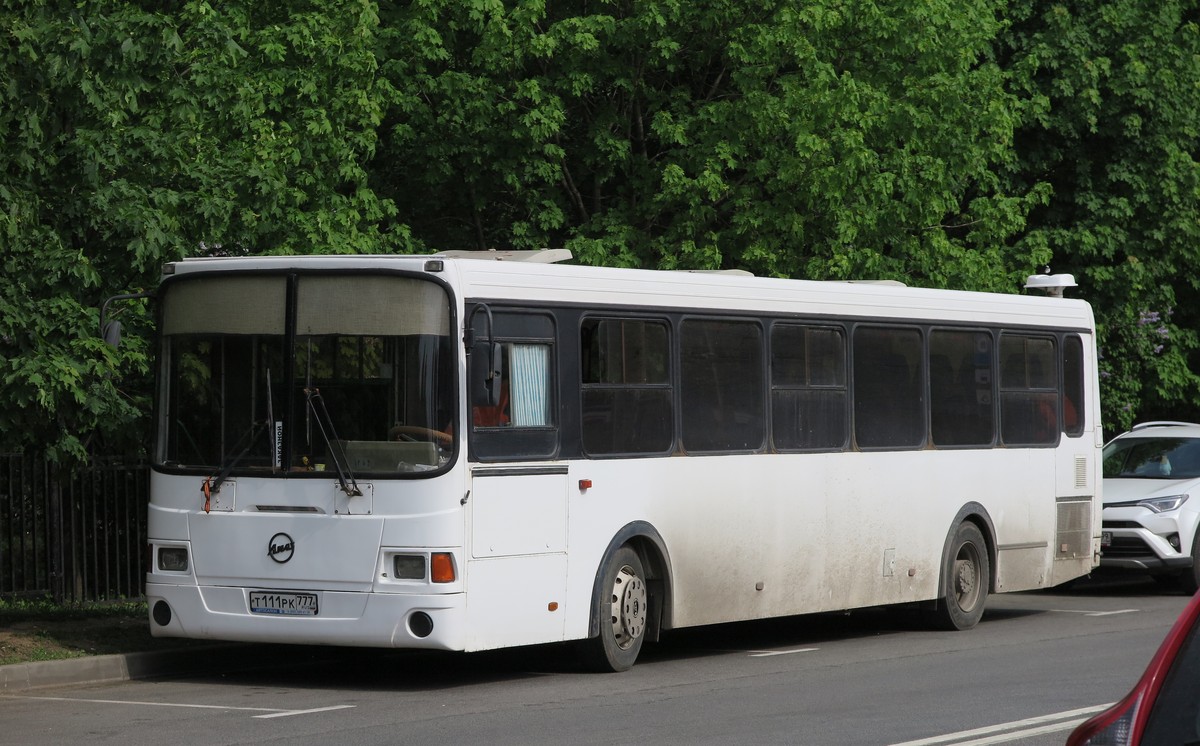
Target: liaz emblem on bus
{"points": [[281, 547]]}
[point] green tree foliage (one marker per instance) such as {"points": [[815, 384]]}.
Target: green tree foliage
{"points": [[1111, 98], [134, 134], [816, 139], [955, 144]]}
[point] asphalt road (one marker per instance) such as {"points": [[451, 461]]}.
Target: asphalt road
{"points": [[1037, 664]]}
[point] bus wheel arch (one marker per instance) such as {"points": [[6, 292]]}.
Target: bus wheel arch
{"points": [[967, 573], [635, 570]]}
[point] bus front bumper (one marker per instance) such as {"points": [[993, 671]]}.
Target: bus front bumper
{"points": [[384, 620]]}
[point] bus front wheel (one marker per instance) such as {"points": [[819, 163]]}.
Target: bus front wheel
{"points": [[965, 580], [622, 613]]}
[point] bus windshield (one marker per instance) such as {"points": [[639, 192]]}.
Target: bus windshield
{"points": [[272, 373]]}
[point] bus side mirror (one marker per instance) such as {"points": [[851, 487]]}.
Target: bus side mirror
{"points": [[495, 375], [487, 373], [112, 333], [110, 329], [486, 369]]}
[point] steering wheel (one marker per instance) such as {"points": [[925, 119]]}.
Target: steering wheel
{"points": [[419, 433]]}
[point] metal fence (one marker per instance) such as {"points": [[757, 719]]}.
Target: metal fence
{"points": [[73, 536]]}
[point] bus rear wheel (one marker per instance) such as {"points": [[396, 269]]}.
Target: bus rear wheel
{"points": [[965, 579], [622, 612]]}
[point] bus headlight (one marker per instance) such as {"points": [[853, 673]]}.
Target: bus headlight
{"points": [[173, 559], [408, 567]]}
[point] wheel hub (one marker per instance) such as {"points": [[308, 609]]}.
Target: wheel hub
{"points": [[966, 578], [629, 607]]}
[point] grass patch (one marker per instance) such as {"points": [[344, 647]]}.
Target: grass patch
{"points": [[33, 630], [25, 610]]}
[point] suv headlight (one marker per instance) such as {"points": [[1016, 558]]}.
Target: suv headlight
{"points": [[1163, 504]]}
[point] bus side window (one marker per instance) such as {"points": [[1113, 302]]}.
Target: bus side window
{"points": [[889, 381], [514, 417], [1028, 390], [625, 384], [524, 389], [1072, 401], [960, 388], [721, 385], [808, 387]]}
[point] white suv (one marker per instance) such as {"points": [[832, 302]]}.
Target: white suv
{"points": [[1152, 502]]}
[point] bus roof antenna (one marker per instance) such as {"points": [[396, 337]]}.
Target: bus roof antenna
{"points": [[1048, 284]]}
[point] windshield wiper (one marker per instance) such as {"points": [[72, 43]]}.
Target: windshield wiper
{"points": [[345, 476], [210, 487]]}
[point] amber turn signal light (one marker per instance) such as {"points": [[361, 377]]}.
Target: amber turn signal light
{"points": [[441, 567]]}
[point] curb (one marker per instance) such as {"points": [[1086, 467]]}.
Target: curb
{"points": [[198, 660], [101, 669]]}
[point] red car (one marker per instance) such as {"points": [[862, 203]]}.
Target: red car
{"points": [[1164, 706]]}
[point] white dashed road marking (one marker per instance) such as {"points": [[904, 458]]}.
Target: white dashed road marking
{"points": [[272, 712], [1095, 613], [768, 653]]}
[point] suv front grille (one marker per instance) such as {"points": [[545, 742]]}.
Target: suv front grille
{"points": [[1126, 546], [1121, 524]]}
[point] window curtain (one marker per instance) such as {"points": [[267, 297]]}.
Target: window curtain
{"points": [[529, 388]]}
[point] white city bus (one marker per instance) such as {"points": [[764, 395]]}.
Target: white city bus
{"points": [[447, 453]]}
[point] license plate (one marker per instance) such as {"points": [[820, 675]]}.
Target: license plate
{"points": [[1105, 538], [285, 604]]}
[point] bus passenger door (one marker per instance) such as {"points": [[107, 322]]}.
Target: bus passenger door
{"points": [[517, 507], [517, 567], [1077, 467]]}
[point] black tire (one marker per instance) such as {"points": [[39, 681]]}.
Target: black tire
{"points": [[966, 577], [1170, 581], [622, 612], [1189, 579]]}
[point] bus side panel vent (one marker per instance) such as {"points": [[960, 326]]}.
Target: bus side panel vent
{"points": [[1074, 530]]}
